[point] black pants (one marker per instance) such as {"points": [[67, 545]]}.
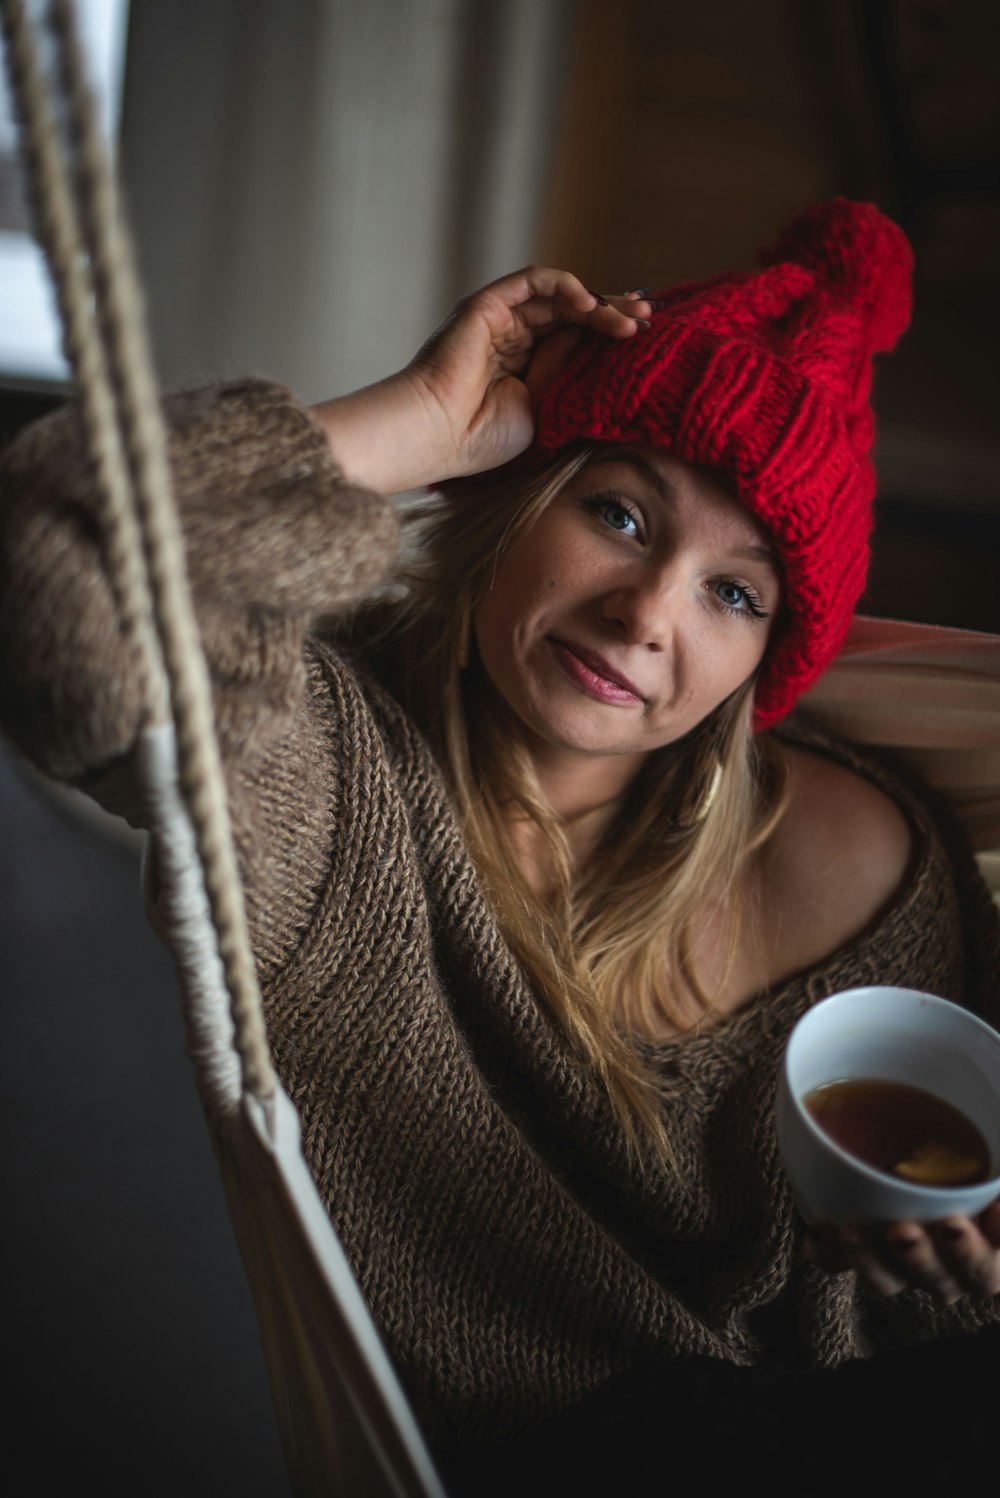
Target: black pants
{"points": [[926, 1415]]}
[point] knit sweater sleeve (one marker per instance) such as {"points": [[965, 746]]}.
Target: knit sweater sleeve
{"points": [[274, 538]]}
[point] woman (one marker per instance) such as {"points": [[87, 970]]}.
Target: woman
{"points": [[534, 907]]}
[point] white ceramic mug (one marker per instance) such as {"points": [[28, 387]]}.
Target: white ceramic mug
{"points": [[894, 1035]]}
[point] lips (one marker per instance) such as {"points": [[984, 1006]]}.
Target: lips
{"points": [[589, 670]]}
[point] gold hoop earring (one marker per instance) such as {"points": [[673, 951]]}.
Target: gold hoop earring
{"points": [[707, 799], [696, 808]]}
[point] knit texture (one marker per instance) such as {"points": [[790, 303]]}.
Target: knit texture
{"points": [[766, 375], [476, 1176]]}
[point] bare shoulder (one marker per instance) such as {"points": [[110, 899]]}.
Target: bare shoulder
{"points": [[838, 857]]}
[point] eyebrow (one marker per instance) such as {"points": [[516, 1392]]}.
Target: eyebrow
{"points": [[645, 470], [753, 551], [757, 553]]}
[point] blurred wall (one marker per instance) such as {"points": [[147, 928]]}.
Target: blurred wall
{"points": [[314, 183], [691, 131]]}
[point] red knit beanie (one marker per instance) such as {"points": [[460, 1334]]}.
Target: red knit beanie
{"points": [[766, 374]]}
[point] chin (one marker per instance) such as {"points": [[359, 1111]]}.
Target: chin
{"points": [[580, 733], [594, 738]]}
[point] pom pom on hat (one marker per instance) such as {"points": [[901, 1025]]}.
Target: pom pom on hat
{"points": [[862, 257], [765, 375]]}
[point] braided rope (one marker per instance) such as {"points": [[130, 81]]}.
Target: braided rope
{"points": [[104, 339], [113, 369]]}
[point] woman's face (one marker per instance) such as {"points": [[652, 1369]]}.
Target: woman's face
{"points": [[642, 597]]}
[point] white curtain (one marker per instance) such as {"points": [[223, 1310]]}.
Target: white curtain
{"points": [[314, 182]]}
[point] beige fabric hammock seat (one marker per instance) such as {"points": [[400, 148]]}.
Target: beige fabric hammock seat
{"points": [[930, 697]]}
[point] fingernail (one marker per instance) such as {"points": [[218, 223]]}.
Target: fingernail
{"points": [[601, 301], [904, 1242], [642, 322], [642, 292], [950, 1230]]}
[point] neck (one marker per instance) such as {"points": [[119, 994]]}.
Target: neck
{"points": [[580, 786], [574, 784], [584, 792]]}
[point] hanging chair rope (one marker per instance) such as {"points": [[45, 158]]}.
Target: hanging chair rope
{"points": [[345, 1422], [82, 232]]}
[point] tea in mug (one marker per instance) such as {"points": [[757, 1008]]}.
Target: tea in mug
{"points": [[901, 1130]]}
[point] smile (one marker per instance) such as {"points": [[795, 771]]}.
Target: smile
{"points": [[591, 674]]}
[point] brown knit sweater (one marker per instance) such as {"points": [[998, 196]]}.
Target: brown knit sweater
{"points": [[474, 1173]]}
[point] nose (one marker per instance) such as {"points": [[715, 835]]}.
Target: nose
{"points": [[643, 609]]}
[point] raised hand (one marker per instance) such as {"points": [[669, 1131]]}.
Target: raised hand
{"points": [[472, 367], [464, 403]]}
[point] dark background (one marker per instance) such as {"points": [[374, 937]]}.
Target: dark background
{"points": [[684, 136]]}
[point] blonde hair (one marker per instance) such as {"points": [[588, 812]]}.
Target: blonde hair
{"points": [[609, 953]]}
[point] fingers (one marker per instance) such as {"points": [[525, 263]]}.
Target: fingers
{"points": [[836, 1250], [479, 371], [948, 1259], [971, 1259], [822, 1247], [554, 347], [631, 306], [989, 1224], [915, 1252], [531, 303], [615, 316], [864, 1254]]}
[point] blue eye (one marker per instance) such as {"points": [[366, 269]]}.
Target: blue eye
{"points": [[617, 515], [734, 598]]}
